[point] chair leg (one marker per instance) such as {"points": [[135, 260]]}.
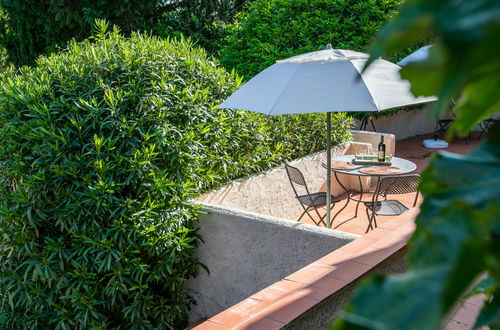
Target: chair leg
{"points": [[372, 221], [370, 226], [483, 126], [298, 220], [306, 211], [373, 125], [324, 215], [321, 218], [416, 198]]}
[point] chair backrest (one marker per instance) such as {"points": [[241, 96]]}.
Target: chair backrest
{"points": [[401, 184], [296, 177]]}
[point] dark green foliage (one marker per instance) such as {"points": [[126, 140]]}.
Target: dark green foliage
{"points": [[269, 30], [457, 240], [4, 33], [42, 26], [201, 20], [100, 148], [244, 143]]}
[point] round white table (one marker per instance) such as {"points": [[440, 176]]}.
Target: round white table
{"points": [[404, 165]]}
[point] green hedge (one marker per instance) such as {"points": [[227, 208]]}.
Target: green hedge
{"points": [[269, 30], [101, 146]]}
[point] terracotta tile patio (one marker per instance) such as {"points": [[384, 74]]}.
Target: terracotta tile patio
{"points": [[281, 303], [410, 149]]}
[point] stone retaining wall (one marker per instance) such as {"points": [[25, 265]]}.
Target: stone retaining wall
{"points": [[246, 252]]}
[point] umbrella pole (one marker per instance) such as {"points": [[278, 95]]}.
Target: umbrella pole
{"points": [[328, 169]]}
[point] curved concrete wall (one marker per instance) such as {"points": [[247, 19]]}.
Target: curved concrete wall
{"points": [[322, 316], [407, 123], [246, 252]]}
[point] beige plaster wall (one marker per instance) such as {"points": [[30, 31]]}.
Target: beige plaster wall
{"points": [[406, 123], [271, 194], [373, 138], [411, 123], [246, 252]]}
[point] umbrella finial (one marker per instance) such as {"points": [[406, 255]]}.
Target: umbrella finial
{"points": [[328, 46]]}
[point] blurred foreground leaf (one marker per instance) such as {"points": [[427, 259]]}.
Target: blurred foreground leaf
{"points": [[463, 66], [457, 239]]}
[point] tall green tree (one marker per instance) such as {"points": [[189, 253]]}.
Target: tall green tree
{"points": [[4, 33], [41, 26], [204, 21], [457, 240], [268, 30]]}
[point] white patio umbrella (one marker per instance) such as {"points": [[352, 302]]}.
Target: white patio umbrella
{"points": [[328, 81], [422, 54], [418, 55]]}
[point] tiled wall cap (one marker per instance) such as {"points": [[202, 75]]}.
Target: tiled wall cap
{"points": [[282, 302]]}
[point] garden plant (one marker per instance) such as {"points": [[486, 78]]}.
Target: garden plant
{"points": [[37, 27], [101, 147], [267, 31]]}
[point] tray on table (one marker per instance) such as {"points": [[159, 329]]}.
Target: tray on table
{"points": [[371, 160]]}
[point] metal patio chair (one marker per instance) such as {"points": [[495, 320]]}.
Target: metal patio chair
{"points": [[309, 201], [484, 125], [442, 126], [364, 122], [391, 185]]}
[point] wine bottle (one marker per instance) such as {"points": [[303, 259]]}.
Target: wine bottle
{"points": [[381, 150]]}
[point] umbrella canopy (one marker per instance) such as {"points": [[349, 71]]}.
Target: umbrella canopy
{"points": [[328, 80], [324, 81], [418, 55]]}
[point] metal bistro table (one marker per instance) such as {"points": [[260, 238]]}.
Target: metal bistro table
{"points": [[404, 165]]}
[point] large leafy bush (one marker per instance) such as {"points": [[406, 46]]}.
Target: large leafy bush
{"points": [[100, 148], [95, 230], [270, 30]]}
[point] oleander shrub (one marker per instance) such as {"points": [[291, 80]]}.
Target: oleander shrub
{"points": [[269, 30], [95, 228], [101, 146]]}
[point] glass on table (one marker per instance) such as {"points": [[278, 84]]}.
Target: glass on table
{"points": [[360, 155]]}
